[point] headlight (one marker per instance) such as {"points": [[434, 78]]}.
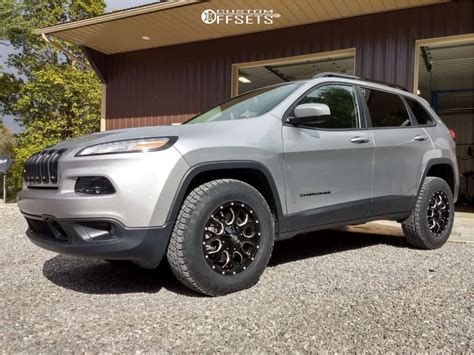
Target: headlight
{"points": [[129, 146]]}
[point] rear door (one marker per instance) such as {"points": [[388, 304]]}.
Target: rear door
{"points": [[328, 167], [400, 148]]}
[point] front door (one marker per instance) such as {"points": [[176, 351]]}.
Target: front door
{"points": [[328, 167]]}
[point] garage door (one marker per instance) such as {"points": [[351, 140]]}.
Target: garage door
{"points": [[446, 80], [254, 75]]}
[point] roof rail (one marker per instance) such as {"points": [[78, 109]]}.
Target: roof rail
{"points": [[346, 76], [328, 74]]}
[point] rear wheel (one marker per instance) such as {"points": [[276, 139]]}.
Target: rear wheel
{"points": [[223, 238], [431, 222]]}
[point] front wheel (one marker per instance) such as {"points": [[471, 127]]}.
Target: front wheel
{"points": [[431, 222], [223, 238]]}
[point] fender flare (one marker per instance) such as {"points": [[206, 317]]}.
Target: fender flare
{"points": [[195, 170], [429, 165]]}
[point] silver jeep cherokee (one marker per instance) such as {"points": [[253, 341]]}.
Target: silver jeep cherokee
{"points": [[214, 193]]}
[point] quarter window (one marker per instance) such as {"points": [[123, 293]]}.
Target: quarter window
{"points": [[386, 110], [342, 103], [421, 115]]}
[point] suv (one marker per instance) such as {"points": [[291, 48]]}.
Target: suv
{"points": [[215, 193]]}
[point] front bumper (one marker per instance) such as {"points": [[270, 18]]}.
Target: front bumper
{"points": [[145, 185], [100, 238]]}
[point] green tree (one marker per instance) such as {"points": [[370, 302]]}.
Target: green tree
{"points": [[9, 18], [52, 96], [7, 140]]}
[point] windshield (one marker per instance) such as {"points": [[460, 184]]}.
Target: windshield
{"points": [[252, 104]]}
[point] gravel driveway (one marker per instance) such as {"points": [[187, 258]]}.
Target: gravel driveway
{"points": [[332, 290]]}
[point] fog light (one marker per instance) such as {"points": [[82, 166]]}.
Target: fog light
{"points": [[94, 185]]}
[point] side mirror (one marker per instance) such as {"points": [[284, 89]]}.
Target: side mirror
{"points": [[310, 114]]}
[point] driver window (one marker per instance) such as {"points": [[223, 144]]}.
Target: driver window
{"points": [[342, 103]]}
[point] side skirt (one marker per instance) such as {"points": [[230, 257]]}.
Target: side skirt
{"points": [[392, 216], [388, 207]]}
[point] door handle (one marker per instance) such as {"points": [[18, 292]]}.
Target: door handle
{"points": [[420, 138], [360, 140]]}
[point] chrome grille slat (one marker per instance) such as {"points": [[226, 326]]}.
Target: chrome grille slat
{"points": [[36, 173], [38, 165], [54, 167], [42, 168]]}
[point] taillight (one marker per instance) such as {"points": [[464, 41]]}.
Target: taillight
{"points": [[453, 134]]}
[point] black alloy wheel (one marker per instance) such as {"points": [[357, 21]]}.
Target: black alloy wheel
{"points": [[231, 238], [438, 212]]}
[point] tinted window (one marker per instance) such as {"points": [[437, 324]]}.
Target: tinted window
{"points": [[249, 105], [341, 102], [421, 115], [386, 110]]}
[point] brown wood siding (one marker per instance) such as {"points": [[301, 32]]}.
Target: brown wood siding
{"points": [[170, 84]]}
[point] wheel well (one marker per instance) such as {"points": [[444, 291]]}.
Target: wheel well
{"points": [[443, 171], [253, 177]]}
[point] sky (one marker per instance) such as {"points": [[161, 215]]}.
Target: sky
{"points": [[111, 5]]}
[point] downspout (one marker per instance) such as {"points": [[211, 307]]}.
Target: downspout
{"points": [[66, 52]]}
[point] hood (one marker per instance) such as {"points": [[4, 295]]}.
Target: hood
{"points": [[117, 135], [202, 131], [231, 133]]}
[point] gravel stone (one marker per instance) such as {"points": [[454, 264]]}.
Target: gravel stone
{"points": [[325, 291]]}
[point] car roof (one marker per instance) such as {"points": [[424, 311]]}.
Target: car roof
{"points": [[351, 79]]}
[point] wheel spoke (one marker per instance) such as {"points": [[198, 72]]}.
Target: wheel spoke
{"points": [[241, 257], [439, 201], [432, 224], [247, 234], [221, 226], [245, 221], [227, 258], [232, 219], [211, 249], [247, 247]]}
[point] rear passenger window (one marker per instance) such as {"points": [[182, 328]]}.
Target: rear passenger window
{"points": [[386, 110], [421, 115]]}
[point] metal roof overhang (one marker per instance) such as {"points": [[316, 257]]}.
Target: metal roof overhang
{"points": [[179, 21]]}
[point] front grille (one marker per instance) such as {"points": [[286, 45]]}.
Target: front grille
{"points": [[42, 167]]}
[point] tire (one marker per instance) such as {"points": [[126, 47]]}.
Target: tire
{"points": [[201, 259], [431, 221]]}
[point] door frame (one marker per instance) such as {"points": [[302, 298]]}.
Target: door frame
{"points": [[341, 53]]}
